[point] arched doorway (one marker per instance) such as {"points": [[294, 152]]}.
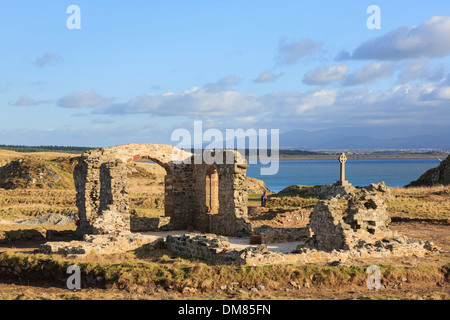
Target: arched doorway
{"points": [[150, 185]]}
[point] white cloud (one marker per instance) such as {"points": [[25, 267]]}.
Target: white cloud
{"points": [[24, 100], [85, 99], [193, 102], [370, 73], [267, 76], [290, 53], [319, 105], [320, 76], [430, 39], [229, 104], [425, 104], [295, 103]]}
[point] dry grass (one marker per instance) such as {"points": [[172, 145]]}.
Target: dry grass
{"points": [[421, 202], [17, 204], [8, 156], [146, 189], [137, 276]]}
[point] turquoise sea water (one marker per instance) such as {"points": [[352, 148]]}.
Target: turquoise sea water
{"points": [[395, 173]]}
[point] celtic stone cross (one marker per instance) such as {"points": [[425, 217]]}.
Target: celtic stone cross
{"points": [[342, 159]]}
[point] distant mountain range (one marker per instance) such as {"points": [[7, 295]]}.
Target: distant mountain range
{"points": [[360, 138], [411, 138]]}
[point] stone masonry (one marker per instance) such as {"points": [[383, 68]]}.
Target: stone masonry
{"points": [[190, 188], [217, 249], [341, 224]]}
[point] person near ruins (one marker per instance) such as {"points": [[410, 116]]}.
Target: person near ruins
{"points": [[264, 199]]}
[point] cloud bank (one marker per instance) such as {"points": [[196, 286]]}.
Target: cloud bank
{"points": [[431, 39]]}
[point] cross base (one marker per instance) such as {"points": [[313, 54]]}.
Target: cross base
{"points": [[343, 183]]}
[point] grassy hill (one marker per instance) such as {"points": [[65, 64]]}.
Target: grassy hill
{"points": [[59, 149]]}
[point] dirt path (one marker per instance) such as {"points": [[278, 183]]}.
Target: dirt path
{"points": [[438, 233]]}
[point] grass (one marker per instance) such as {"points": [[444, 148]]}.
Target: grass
{"points": [[175, 274], [413, 202], [17, 204], [8, 155], [421, 202], [146, 189]]}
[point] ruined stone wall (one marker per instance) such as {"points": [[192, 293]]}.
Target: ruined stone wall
{"points": [[184, 197], [342, 224], [277, 235], [231, 218], [143, 224], [206, 246], [87, 184], [218, 249], [102, 195]]}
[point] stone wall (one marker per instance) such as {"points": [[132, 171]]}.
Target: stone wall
{"points": [[217, 249], [342, 224], [102, 195], [143, 224], [209, 247], [99, 244], [231, 218]]}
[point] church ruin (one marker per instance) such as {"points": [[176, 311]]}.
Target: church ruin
{"points": [[205, 197], [210, 201]]}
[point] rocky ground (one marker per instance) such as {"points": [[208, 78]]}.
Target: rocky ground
{"points": [[53, 219]]}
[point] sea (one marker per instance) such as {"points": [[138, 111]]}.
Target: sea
{"points": [[393, 172]]}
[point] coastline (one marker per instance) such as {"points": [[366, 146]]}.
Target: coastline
{"points": [[365, 157]]}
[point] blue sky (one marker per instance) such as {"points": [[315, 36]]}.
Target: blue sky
{"points": [[137, 70]]}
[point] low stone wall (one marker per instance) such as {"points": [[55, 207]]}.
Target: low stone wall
{"points": [[209, 247], [399, 247], [142, 224], [99, 244], [213, 248]]}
